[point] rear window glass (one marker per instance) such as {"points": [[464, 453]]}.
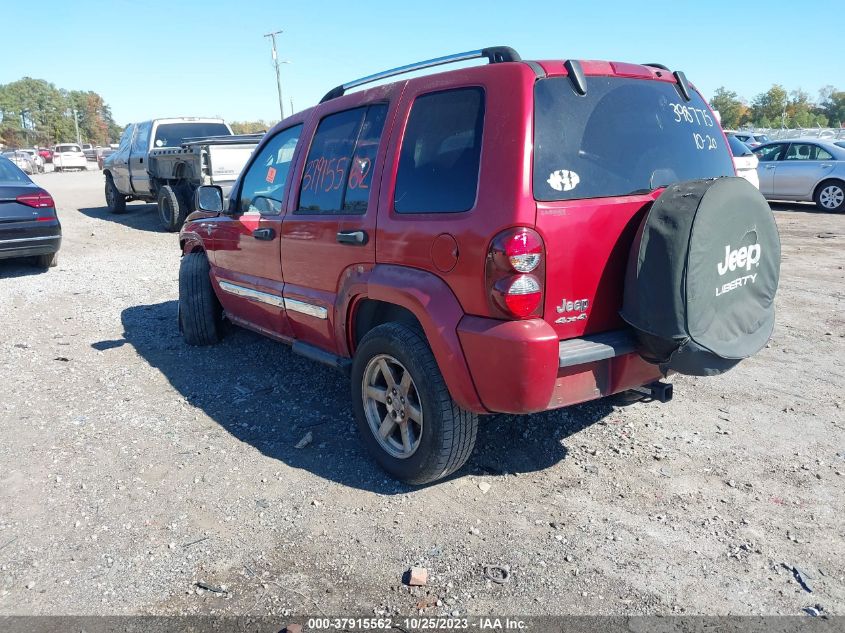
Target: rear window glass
{"points": [[625, 136], [174, 134], [441, 153], [10, 173], [339, 168], [68, 148], [737, 147]]}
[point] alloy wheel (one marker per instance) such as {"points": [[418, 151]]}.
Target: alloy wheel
{"points": [[831, 196], [392, 406]]}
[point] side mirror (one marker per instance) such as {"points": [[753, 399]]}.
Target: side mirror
{"points": [[209, 198]]}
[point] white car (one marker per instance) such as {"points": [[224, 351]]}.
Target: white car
{"points": [[69, 156], [745, 162], [36, 159]]}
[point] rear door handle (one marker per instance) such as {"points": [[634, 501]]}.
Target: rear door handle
{"points": [[770, 166], [264, 234], [352, 237], [827, 164]]}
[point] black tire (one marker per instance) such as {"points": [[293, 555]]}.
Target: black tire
{"points": [[115, 200], [200, 313], [832, 190], [171, 210], [49, 260], [448, 433]]}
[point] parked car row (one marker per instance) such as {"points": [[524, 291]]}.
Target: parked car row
{"points": [[27, 160]]}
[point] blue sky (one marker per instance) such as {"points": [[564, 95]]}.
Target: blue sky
{"points": [[152, 58]]}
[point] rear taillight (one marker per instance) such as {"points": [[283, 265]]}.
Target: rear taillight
{"points": [[42, 201], [515, 272]]}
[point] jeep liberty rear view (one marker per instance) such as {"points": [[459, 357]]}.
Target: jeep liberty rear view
{"points": [[512, 237]]}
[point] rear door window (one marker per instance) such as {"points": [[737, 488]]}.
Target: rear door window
{"points": [[141, 142], [806, 151], [264, 183], [441, 153], [339, 168], [625, 136]]}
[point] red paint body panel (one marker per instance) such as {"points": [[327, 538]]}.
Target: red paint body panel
{"points": [[513, 363], [587, 247], [438, 311]]}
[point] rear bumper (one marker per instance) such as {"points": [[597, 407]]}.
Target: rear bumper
{"points": [[522, 367], [28, 246]]}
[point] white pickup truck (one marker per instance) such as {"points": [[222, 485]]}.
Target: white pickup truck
{"points": [[165, 160]]}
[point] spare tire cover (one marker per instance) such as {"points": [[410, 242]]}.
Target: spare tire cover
{"points": [[702, 276]]}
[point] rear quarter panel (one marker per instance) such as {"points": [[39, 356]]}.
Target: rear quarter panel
{"points": [[503, 197]]}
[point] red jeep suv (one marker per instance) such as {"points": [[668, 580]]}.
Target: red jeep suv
{"points": [[511, 237]]}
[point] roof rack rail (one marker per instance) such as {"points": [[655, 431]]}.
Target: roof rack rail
{"points": [[496, 55], [656, 65]]}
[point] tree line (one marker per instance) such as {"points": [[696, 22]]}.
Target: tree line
{"points": [[36, 112], [777, 108]]}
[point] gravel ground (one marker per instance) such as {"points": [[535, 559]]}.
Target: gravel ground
{"points": [[135, 467]]}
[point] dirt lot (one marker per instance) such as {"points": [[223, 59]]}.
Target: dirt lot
{"points": [[135, 467]]}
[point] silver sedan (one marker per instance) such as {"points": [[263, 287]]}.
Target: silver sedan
{"points": [[808, 169]]}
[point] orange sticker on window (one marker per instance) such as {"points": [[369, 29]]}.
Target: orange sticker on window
{"points": [[271, 174]]}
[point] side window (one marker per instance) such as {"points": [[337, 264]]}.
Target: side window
{"points": [[141, 142], [801, 151], [441, 153], [339, 168], [770, 152], [822, 154], [126, 139], [263, 186]]}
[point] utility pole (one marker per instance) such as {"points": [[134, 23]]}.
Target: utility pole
{"points": [[76, 125], [272, 37]]}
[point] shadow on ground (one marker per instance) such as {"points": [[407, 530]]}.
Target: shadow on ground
{"points": [[143, 217], [20, 267], [266, 396], [797, 207]]}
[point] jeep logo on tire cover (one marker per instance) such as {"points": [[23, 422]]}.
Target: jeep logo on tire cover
{"points": [[744, 257]]}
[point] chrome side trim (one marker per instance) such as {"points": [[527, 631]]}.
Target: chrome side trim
{"points": [[294, 305], [249, 293], [310, 309], [31, 239]]}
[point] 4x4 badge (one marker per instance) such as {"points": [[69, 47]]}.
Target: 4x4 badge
{"points": [[580, 305]]}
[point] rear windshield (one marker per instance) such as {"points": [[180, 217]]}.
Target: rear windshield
{"points": [[10, 173], [624, 136], [737, 147], [67, 148], [174, 134]]}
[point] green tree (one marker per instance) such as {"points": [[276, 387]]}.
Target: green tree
{"points": [[34, 111], [251, 127], [833, 108], [729, 106], [770, 107]]}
